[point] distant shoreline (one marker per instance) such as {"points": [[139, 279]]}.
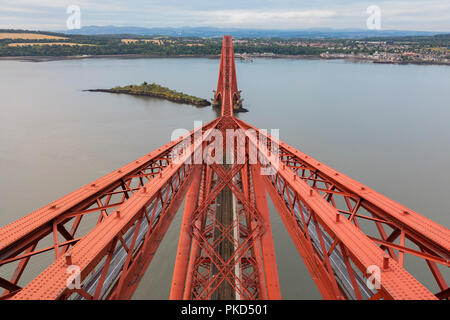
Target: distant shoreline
{"points": [[251, 56]]}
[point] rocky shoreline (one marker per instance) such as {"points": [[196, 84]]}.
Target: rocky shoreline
{"points": [[199, 103]]}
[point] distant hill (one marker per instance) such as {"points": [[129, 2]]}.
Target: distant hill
{"points": [[210, 32]]}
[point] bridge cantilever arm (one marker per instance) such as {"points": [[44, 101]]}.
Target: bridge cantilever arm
{"points": [[314, 225]]}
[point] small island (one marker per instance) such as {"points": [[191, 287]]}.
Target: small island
{"points": [[157, 91]]}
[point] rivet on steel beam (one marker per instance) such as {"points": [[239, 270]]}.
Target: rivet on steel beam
{"points": [[318, 163], [311, 192], [386, 262], [284, 166], [363, 188], [295, 177], [336, 174], [120, 171], [69, 259], [137, 161], [144, 189], [118, 213], [93, 185], [405, 212], [160, 174], [53, 207], [338, 217]]}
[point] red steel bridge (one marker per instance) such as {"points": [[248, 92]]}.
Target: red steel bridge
{"points": [[355, 242]]}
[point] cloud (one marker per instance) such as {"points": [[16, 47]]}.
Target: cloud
{"points": [[267, 14]]}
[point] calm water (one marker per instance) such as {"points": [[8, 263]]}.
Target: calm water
{"points": [[385, 125]]}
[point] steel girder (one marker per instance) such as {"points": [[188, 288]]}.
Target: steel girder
{"points": [[222, 249], [60, 222], [227, 234], [324, 212], [227, 93]]}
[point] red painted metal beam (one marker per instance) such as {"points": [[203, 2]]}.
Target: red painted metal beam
{"points": [[141, 207], [299, 193], [320, 207], [267, 247], [227, 93], [56, 215], [198, 228], [257, 251]]}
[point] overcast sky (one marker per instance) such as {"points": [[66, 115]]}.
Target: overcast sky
{"points": [[418, 15]]}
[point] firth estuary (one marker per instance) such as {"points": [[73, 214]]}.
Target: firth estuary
{"points": [[386, 126]]}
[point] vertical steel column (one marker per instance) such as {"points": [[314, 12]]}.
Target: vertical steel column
{"points": [[185, 241]]}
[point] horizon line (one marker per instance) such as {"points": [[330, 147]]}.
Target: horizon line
{"points": [[318, 29]]}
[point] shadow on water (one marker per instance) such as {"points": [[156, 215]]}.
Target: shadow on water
{"points": [[153, 100]]}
